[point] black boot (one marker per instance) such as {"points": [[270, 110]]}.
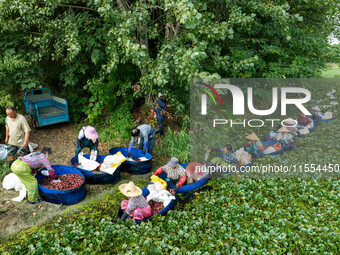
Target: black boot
{"points": [[124, 216], [10, 162]]}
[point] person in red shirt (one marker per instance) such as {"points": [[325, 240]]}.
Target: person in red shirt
{"points": [[304, 120]]}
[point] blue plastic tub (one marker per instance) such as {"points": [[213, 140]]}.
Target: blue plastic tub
{"points": [[134, 167], [328, 120], [242, 168], [267, 136], [66, 197], [188, 187], [97, 177], [146, 192], [315, 125], [283, 149]]}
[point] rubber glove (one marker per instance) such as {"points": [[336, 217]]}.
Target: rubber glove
{"points": [[52, 174], [145, 145], [131, 145]]}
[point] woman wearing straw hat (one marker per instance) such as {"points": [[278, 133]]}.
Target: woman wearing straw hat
{"points": [[135, 206], [290, 124], [284, 135], [87, 138], [254, 147], [316, 113]]}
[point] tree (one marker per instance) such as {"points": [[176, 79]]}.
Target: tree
{"points": [[133, 49]]}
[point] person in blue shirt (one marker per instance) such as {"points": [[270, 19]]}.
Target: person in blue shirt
{"points": [[147, 138], [159, 112], [226, 157]]}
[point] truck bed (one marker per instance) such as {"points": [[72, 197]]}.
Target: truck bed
{"points": [[50, 111], [44, 108]]}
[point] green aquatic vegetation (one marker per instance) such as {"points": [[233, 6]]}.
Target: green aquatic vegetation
{"points": [[250, 216]]}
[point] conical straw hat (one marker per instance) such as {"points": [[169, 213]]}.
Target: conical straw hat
{"points": [[191, 169], [316, 108], [130, 189], [282, 130], [253, 136], [289, 122]]}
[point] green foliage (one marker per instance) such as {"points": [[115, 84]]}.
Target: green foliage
{"points": [[111, 95], [118, 127], [77, 107], [159, 45], [77, 101], [175, 144], [332, 72], [6, 100], [185, 125], [249, 216], [4, 169]]}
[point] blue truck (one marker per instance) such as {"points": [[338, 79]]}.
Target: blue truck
{"points": [[44, 108]]}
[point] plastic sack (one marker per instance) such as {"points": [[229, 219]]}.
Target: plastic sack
{"points": [[304, 130], [143, 159], [206, 156], [158, 194], [93, 155], [243, 157], [3, 151], [86, 164], [155, 178], [285, 137], [32, 146], [111, 162], [11, 181], [328, 115], [140, 159], [310, 125], [269, 150], [277, 146], [273, 135]]}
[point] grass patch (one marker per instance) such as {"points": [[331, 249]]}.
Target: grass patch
{"points": [[4, 169], [332, 72], [175, 144]]}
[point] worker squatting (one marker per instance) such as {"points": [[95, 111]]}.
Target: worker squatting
{"points": [[251, 123]]}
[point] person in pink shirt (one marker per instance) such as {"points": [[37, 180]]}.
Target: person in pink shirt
{"points": [[24, 167], [135, 206]]}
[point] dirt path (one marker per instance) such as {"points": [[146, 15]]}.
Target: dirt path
{"points": [[61, 138]]}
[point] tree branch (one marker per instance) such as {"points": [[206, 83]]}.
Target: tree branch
{"points": [[72, 6]]}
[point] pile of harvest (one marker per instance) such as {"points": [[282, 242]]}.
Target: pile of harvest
{"points": [[156, 207], [67, 182], [266, 146]]}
